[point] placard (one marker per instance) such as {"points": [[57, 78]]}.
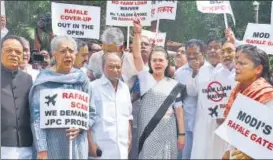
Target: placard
{"points": [[248, 127], [214, 96], [64, 108], [215, 7], [77, 21], [158, 39], [163, 9], [260, 35], [122, 13]]}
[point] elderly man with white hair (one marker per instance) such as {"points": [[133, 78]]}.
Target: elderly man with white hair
{"points": [[112, 39], [53, 143]]}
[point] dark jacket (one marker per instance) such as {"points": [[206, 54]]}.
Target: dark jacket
{"points": [[15, 114]]}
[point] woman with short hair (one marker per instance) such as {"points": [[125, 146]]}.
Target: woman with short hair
{"points": [[53, 143]]}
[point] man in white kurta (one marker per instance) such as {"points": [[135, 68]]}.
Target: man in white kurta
{"points": [[111, 131], [206, 144]]}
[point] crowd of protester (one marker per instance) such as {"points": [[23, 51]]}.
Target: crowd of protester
{"points": [[140, 106]]}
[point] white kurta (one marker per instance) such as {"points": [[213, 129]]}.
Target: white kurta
{"points": [[32, 72], [206, 144], [16, 152], [114, 110]]}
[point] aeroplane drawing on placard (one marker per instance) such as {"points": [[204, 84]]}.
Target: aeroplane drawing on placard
{"points": [[213, 111], [51, 99]]}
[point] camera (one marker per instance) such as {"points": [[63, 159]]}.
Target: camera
{"points": [[37, 57]]}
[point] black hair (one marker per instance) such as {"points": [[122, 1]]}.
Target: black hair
{"points": [[258, 57], [216, 40], [11, 37], [80, 44], [196, 42], [160, 49]]}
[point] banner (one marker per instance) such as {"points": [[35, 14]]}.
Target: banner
{"points": [[215, 7], [248, 127], [260, 35], [64, 108], [122, 13], [76, 20], [158, 39], [214, 96], [163, 9], [3, 8]]}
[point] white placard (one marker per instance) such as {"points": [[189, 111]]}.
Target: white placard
{"points": [[158, 39], [64, 108], [215, 7], [3, 8], [260, 35], [248, 127], [214, 96], [77, 21], [163, 9], [122, 13]]}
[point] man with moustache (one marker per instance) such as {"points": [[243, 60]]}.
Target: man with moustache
{"points": [[228, 56], [111, 132], [81, 56], [195, 50], [25, 66], [180, 57], [207, 146], [16, 136]]}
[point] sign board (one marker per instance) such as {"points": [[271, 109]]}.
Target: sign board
{"points": [[163, 9], [260, 35], [248, 127], [122, 13], [77, 21], [3, 8], [64, 108], [214, 96], [158, 38], [215, 7]]}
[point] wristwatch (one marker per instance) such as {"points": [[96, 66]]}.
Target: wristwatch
{"points": [[181, 134]]}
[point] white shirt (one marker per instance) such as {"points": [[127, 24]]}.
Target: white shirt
{"points": [[16, 152], [190, 102], [32, 72], [114, 110]]}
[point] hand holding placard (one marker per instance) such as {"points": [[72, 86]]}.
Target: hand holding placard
{"points": [[72, 133]]}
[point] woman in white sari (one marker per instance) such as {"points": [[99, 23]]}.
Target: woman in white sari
{"points": [[161, 105]]}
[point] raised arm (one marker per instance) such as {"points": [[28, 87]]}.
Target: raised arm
{"points": [[137, 46]]}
